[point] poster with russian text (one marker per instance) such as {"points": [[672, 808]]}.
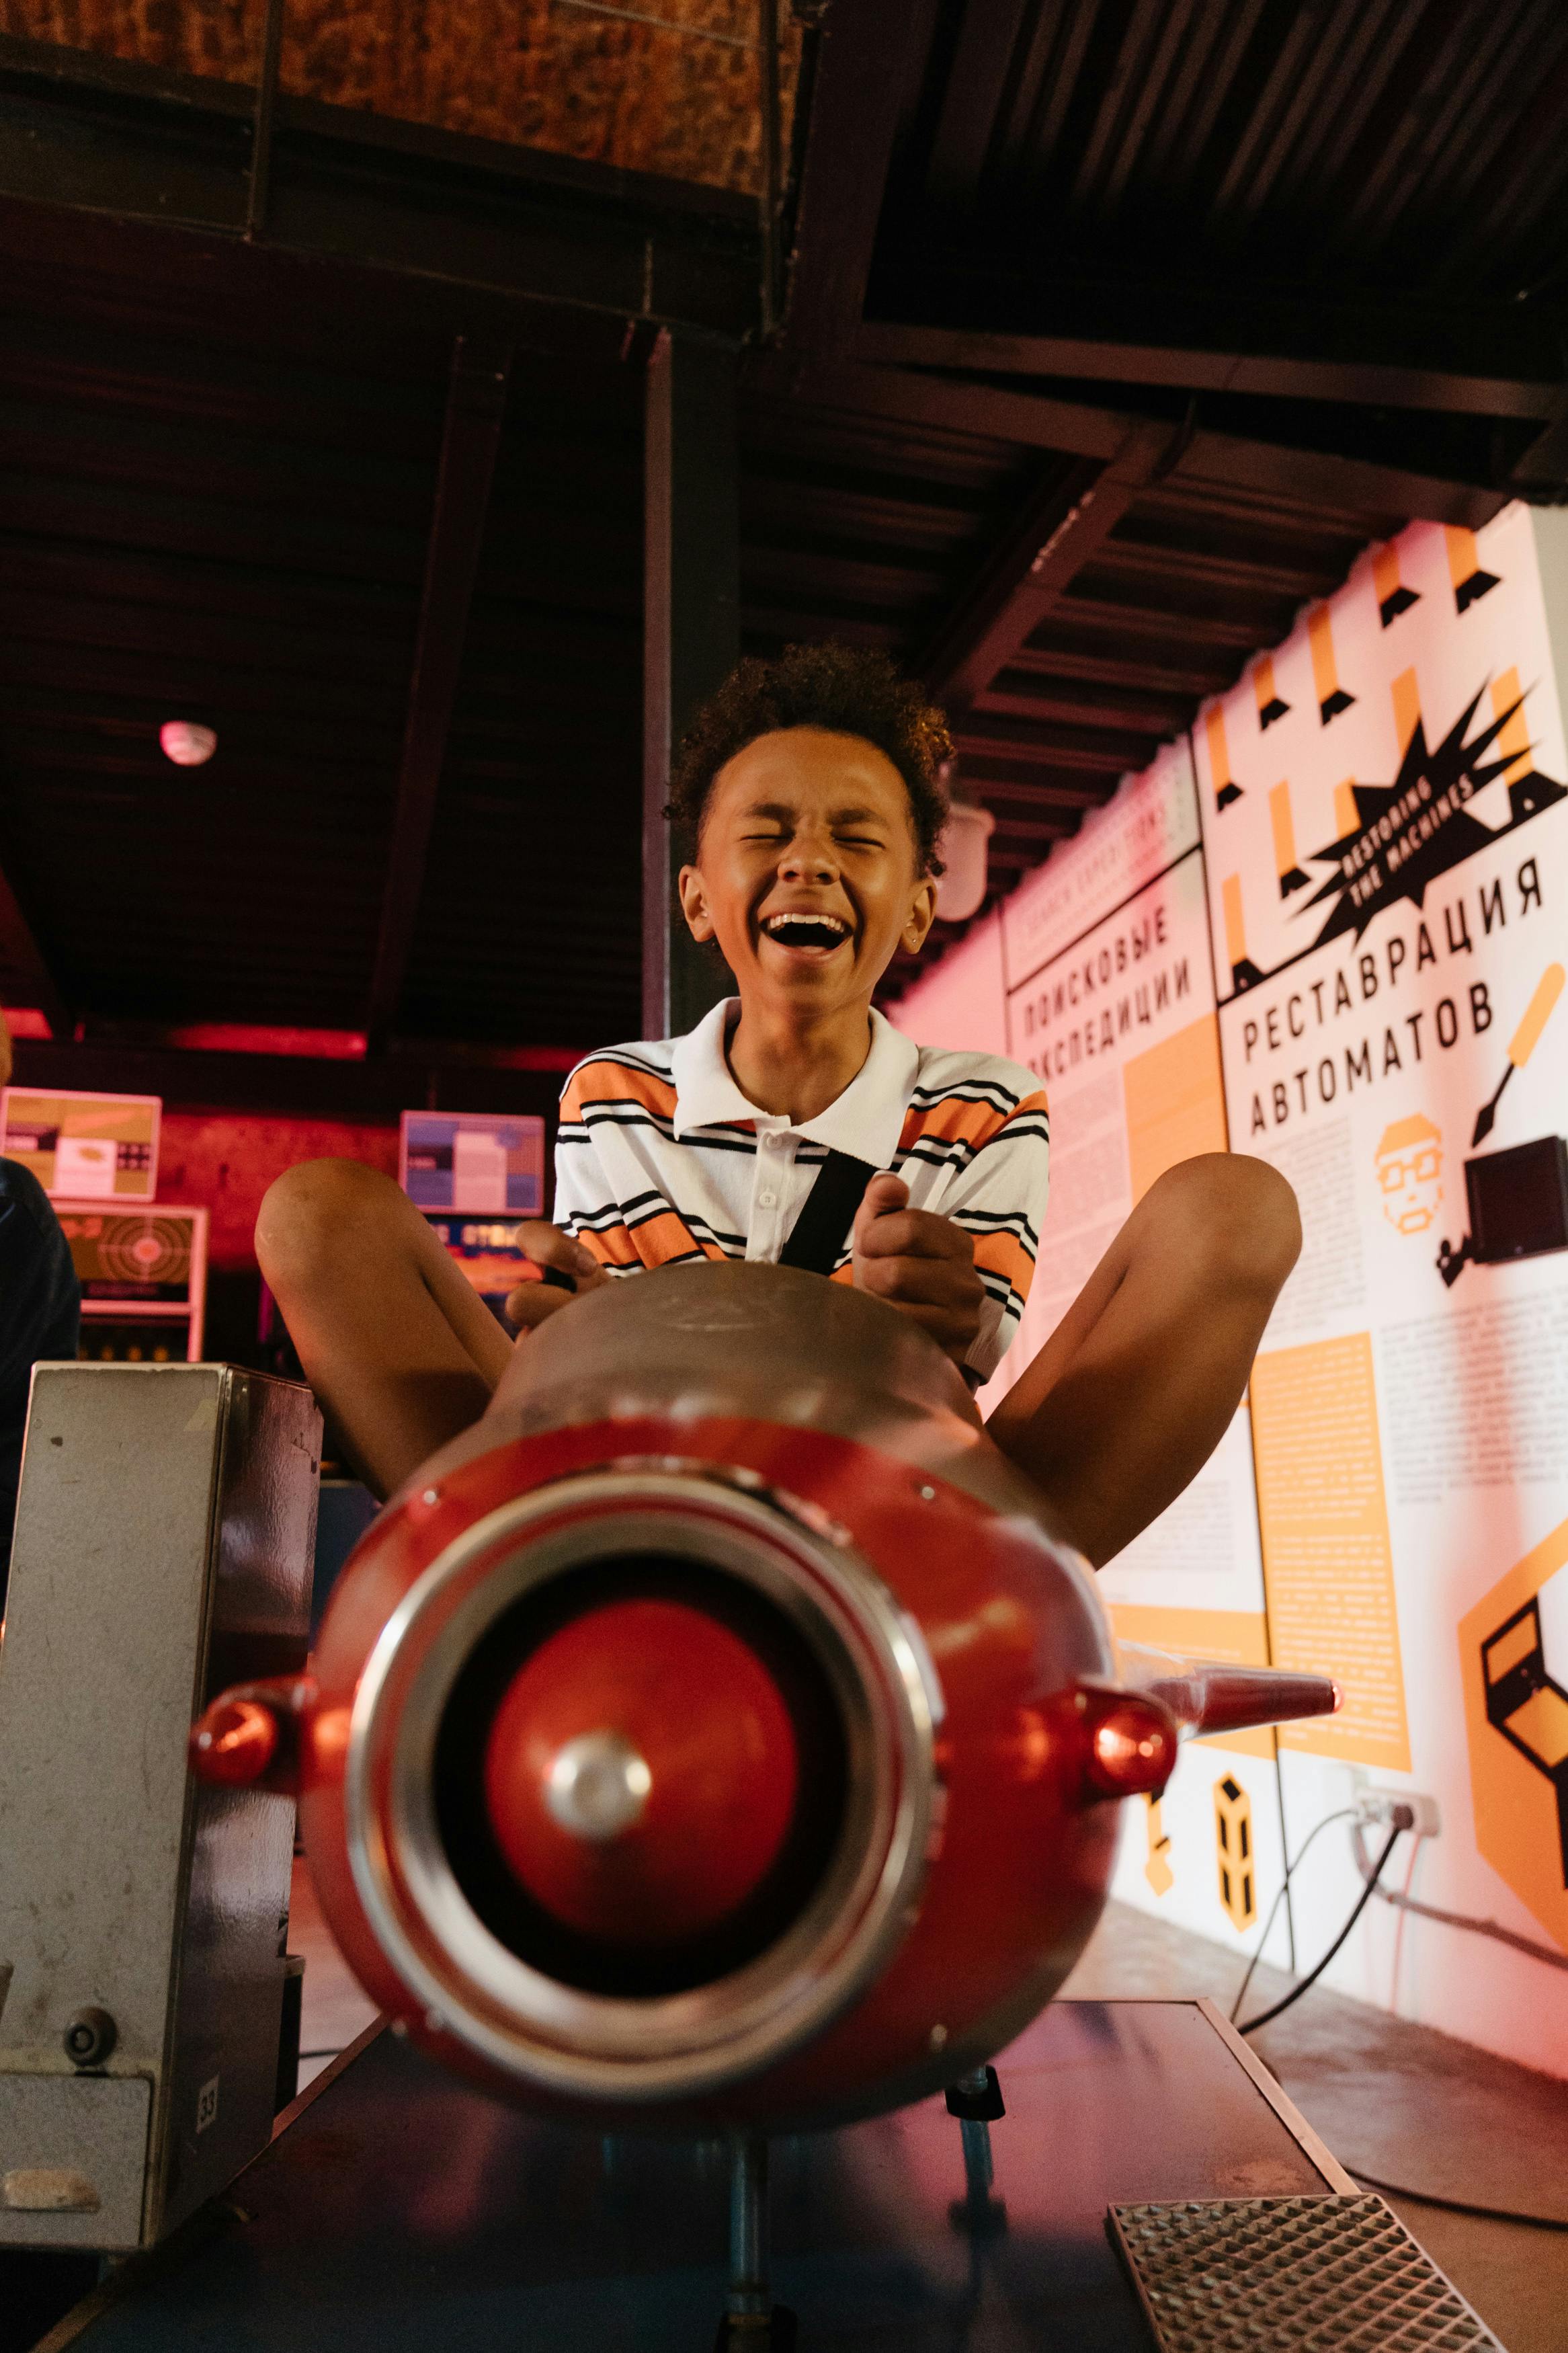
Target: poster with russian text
{"points": [[1386, 827], [1108, 984]]}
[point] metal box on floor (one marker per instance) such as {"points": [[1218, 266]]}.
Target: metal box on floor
{"points": [[164, 1533]]}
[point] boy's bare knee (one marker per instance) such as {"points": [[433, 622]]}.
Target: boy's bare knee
{"points": [[1237, 1215], [314, 1212]]}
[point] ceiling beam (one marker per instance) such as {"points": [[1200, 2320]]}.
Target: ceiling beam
{"points": [[942, 404], [1491, 360], [1113, 622], [1033, 795], [1078, 750], [1016, 694], [20, 955], [1322, 478], [1191, 679], [1071, 515], [93, 136], [476, 402], [869, 53], [983, 410]]}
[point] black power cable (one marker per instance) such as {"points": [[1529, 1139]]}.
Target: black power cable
{"points": [[1362, 1900], [1529, 1946], [1458, 2205], [1343, 1814]]}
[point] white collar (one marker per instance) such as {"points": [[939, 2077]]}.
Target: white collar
{"points": [[866, 1120]]}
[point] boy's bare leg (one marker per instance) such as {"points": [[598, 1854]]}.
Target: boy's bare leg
{"points": [[401, 1351], [1135, 1387]]}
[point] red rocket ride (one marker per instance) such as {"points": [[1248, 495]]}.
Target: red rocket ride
{"points": [[719, 1733]]}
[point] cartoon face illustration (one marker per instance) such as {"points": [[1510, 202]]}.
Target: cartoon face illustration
{"points": [[1410, 1173]]}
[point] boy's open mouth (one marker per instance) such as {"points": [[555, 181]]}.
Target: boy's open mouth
{"points": [[818, 934]]}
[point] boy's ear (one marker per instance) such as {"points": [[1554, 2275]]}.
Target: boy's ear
{"points": [[921, 916], [694, 903]]}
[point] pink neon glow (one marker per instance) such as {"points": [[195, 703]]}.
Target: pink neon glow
{"points": [[257, 1037], [315, 1045], [350, 1046], [505, 1058], [26, 1021]]}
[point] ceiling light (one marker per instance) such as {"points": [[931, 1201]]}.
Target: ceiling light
{"points": [[186, 743]]}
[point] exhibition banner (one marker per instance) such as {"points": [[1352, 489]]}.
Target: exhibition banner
{"points": [[1107, 982], [1109, 992], [1385, 828], [1331, 926]]}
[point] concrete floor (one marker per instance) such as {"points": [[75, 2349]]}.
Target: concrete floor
{"points": [[1401, 2103], [1406, 2104]]}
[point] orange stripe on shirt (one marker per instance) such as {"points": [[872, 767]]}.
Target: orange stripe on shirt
{"points": [[612, 1247], [653, 1243], [1004, 1254], [956, 1120], [616, 1083], [658, 1239]]}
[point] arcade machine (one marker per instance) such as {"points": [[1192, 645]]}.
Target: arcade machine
{"points": [[142, 1264], [143, 1280], [712, 1763], [474, 1175]]}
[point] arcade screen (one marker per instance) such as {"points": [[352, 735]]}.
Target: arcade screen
{"points": [[83, 1146], [143, 1279], [473, 1164], [487, 1255]]}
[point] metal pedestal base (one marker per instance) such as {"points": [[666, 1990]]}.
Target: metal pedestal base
{"points": [[976, 2101], [752, 2322]]}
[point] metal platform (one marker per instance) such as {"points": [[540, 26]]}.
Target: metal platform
{"points": [[397, 2210]]}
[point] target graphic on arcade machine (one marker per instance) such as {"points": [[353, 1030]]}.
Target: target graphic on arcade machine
{"points": [[143, 1276], [151, 1253]]}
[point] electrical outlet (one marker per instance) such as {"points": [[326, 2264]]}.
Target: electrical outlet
{"points": [[1402, 1810]]}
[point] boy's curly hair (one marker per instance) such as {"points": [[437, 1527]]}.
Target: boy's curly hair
{"points": [[842, 688]]}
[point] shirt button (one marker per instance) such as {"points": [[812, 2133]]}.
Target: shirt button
{"points": [[767, 1200], [773, 1143]]}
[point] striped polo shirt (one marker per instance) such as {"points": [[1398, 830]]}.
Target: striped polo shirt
{"points": [[660, 1159]]}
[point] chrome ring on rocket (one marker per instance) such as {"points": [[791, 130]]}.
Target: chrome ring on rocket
{"points": [[504, 1974]]}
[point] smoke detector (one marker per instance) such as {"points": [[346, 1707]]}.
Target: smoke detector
{"points": [[187, 743]]}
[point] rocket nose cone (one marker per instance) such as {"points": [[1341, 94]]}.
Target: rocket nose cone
{"points": [[641, 1773]]}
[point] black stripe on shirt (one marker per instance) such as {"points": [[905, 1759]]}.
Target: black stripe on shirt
{"points": [[986, 1091]]}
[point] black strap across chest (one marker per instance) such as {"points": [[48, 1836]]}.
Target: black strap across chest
{"points": [[828, 1214]]}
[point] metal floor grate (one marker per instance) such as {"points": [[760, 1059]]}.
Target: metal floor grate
{"points": [[1290, 2275]]}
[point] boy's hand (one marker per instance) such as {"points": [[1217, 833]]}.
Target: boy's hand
{"points": [[533, 1303], [920, 1263]]}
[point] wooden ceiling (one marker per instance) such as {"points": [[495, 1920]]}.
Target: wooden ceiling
{"points": [[1115, 329], [669, 88]]}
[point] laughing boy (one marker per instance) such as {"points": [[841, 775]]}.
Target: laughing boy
{"points": [[795, 1122]]}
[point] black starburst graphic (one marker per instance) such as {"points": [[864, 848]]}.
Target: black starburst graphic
{"points": [[1409, 832]]}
